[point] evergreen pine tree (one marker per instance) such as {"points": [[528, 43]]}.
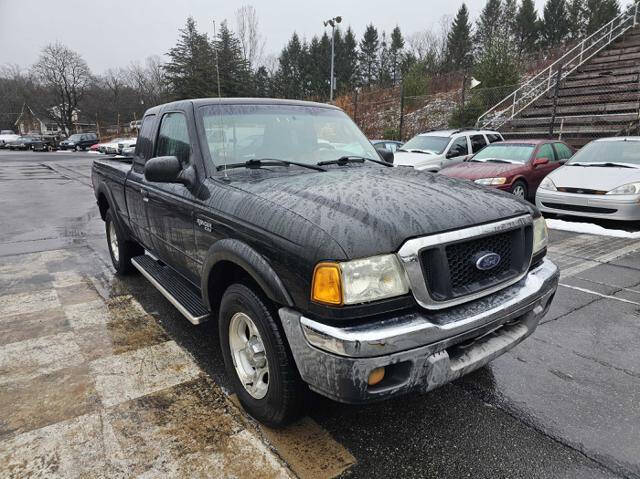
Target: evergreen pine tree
{"points": [[290, 80], [395, 51], [347, 62], [554, 26], [509, 13], [369, 55], [458, 51], [576, 19], [190, 70], [262, 83], [235, 73], [488, 24], [600, 12], [527, 28], [384, 63]]}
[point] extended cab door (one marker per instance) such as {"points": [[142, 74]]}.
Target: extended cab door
{"points": [[170, 206], [136, 190]]}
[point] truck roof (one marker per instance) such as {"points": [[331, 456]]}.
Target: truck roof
{"points": [[197, 102]]}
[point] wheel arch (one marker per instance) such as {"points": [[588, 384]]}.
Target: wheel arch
{"points": [[231, 260]]}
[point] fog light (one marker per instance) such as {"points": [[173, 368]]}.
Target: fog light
{"points": [[376, 376]]}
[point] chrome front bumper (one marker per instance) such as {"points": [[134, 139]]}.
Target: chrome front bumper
{"points": [[420, 350]]}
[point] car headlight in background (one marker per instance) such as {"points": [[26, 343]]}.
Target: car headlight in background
{"points": [[358, 281], [540, 234], [547, 184], [630, 189], [491, 181]]}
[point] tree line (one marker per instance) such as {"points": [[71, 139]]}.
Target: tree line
{"points": [[493, 48]]}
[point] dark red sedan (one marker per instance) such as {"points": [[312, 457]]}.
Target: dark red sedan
{"points": [[517, 166]]}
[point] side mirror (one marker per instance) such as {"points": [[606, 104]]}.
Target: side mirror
{"points": [[164, 169], [540, 161], [386, 155]]}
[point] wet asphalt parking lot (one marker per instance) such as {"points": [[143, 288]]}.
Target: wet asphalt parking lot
{"points": [[101, 376]]}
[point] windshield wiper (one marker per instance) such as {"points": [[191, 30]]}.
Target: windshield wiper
{"points": [[343, 160], [607, 164], [255, 164]]}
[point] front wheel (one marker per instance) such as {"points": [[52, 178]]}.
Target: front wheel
{"points": [[257, 359], [121, 251], [519, 189]]}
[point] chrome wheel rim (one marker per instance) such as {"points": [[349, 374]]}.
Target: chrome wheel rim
{"points": [[113, 241], [519, 191], [249, 356]]}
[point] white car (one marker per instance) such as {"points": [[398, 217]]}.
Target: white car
{"points": [[126, 145], [7, 136], [435, 150], [111, 147]]}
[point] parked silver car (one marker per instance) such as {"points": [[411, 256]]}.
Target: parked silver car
{"points": [[600, 181]]}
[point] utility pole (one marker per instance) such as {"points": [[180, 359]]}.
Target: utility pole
{"points": [[333, 21]]}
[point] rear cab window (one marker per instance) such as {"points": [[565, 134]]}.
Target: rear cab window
{"points": [[493, 137]]}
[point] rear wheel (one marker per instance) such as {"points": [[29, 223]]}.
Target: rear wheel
{"points": [[121, 251], [257, 359], [519, 189]]}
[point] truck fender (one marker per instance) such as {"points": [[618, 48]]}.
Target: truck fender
{"points": [[104, 190], [247, 258]]}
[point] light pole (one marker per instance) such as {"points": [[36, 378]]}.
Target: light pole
{"points": [[332, 22]]}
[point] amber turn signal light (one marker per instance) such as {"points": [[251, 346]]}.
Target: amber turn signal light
{"points": [[376, 376], [326, 286]]}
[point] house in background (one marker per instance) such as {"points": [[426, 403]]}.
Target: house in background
{"points": [[29, 122]]}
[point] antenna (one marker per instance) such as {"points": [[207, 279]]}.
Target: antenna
{"points": [[220, 123]]}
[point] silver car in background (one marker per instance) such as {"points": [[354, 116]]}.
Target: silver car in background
{"points": [[602, 180]]}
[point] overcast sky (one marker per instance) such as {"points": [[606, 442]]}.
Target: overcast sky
{"points": [[114, 33]]}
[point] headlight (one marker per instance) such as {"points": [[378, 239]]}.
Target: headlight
{"points": [[491, 181], [358, 281], [630, 189], [540, 234], [547, 184]]}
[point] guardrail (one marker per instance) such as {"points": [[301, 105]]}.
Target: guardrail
{"points": [[540, 84]]}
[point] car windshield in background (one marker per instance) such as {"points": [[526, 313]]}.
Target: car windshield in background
{"points": [[239, 133], [600, 152], [506, 152], [435, 144]]}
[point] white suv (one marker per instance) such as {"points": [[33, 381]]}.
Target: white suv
{"points": [[435, 150]]}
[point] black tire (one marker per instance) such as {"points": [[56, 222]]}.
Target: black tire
{"points": [[126, 249], [520, 190], [284, 397]]}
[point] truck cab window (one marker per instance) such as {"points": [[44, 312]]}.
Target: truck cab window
{"points": [[173, 138], [144, 145]]}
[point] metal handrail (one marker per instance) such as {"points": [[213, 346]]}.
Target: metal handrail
{"points": [[532, 90]]}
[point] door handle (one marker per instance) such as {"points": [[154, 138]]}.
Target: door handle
{"points": [[145, 195]]}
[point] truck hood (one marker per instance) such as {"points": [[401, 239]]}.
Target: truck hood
{"points": [[374, 210], [594, 177], [473, 170], [407, 158]]}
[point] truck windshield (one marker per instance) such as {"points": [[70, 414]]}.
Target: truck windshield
{"points": [[304, 134]]}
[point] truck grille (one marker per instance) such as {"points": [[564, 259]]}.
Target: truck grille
{"points": [[450, 269]]}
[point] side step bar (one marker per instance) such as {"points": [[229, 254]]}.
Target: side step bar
{"points": [[173, 287]]}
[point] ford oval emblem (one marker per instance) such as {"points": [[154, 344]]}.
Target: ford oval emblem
{"points": [[487, 260]]}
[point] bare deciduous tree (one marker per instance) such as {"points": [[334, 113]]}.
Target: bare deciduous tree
{"points": [[67, 75], [249, 35]]}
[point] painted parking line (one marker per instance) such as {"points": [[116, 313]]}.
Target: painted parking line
{"points": [[595, 293]]}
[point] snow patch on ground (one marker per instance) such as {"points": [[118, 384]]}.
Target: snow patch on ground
{"points": [[591, 229]]}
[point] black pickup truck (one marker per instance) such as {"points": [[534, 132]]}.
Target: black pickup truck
{"points": [[325, 267]]}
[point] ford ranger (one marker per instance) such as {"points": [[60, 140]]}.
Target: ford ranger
{"points": [[324, 266]]}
